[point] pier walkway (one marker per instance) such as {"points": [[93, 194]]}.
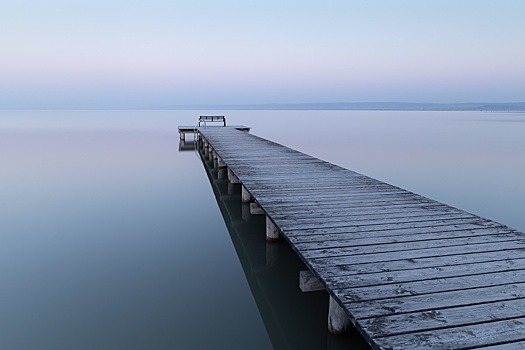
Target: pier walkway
{"points": [[407, 271]]}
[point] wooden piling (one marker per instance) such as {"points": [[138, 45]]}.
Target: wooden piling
{"points": [[255, 209], [338, 322], [220, 162], [245, 196], [272, 232], [308, 282], [232, 178]]}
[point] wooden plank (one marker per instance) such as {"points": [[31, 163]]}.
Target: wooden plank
{"points": [[397, 228], [410, 255], [354, 203], [400, 229], [371, 216], [405, 268], [459, 338], [519, 345], [419, 287], [371, 246], [407, 209], [427, 248], [355, 279], [394, 236], [380, 224], [427, 302], [443, 318]]}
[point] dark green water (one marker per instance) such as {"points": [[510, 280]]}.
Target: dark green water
{"points": [[110, 238]]}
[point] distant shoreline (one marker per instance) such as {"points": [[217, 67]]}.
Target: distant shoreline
{"points": [[338, 106], [367, 106]]}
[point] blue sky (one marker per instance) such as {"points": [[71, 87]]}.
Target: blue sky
{"points": [[99, 54]]}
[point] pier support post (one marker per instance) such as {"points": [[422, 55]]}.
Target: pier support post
{"points": [[246, 196], [255, 209], [233, 179], [210, 154], [338, 322], [206, 152], [220, 162], [308, 282], [272, 232], [182, 136]]}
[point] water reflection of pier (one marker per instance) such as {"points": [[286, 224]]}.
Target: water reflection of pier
{"points": [[293, 319], [187, 145]]}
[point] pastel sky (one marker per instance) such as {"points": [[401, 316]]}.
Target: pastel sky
{"points": [[130, 53]]}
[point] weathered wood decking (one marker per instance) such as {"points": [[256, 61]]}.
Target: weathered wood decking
{"points": [[409, 272]]}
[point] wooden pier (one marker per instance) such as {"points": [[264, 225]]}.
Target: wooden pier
{"points": [[408, 272]]}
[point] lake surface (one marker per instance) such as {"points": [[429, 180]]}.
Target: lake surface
{"points": [[110, 238]]}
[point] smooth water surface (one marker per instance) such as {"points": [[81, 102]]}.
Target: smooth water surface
{"points": [[110, 238]]}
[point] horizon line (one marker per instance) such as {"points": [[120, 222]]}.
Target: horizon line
{"points": [[362, 106]]}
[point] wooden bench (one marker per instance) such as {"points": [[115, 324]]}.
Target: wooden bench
{"points": [[203, 119]]}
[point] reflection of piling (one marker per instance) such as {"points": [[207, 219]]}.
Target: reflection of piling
{"points": [[222, 174], [187, 145], [231, 188], [272, 254], [246, 215]]}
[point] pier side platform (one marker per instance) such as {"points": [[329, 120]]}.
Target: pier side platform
{"points": [[186, 129]]}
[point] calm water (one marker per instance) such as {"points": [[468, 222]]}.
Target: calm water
{"points": [[110, 238]]}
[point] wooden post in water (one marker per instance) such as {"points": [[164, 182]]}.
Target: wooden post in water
{"points": [[272, 232], [308, 282], [233, 179], [338, 322], [246, 196], [220, 162], [255, 209], [182, 136]]}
